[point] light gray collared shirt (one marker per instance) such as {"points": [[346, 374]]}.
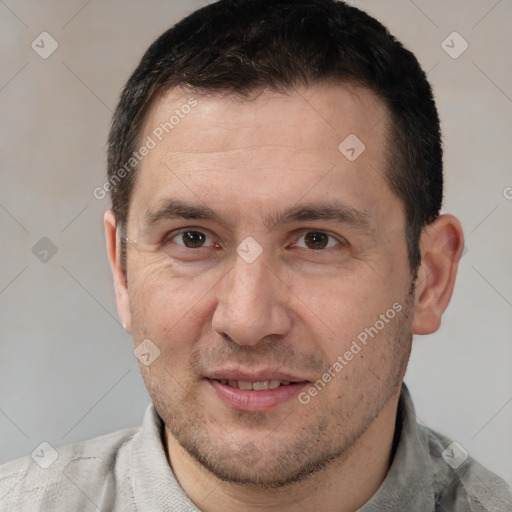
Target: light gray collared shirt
{"points": [[127, 471]]}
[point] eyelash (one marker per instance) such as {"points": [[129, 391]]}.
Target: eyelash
{"points": [[169, 239]]}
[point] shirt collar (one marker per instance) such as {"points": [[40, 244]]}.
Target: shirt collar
{"points": [[154, 485], [409, 481]]}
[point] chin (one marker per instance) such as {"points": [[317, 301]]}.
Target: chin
{"points": [[248, 466], [268, 477]]}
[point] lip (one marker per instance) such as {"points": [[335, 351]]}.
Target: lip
{"points": [[255, 401], [254, 376]]}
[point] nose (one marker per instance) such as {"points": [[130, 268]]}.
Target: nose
{"points": [[252, 303]]}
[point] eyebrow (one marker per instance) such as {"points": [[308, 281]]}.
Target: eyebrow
{"points": [[331, 211]]}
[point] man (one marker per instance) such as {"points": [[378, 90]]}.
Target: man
{"points": [[275, 239]]}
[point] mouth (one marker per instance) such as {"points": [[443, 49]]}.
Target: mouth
{"points": [[261, 385], [255, 393]]}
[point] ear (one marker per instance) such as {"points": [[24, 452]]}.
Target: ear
{"points": [[120, 280], [442, 243]]}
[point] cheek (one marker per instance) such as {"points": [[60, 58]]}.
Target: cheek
{"points": [[348, 300], [166, 308], [354, 313]]}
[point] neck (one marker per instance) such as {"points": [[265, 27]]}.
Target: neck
{"points": [[345, 485]]}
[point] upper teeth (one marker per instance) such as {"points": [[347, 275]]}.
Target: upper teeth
{"points": [[256, 386]]}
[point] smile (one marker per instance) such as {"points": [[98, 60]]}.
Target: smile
{"points": [[254, 386], [254, 396]]}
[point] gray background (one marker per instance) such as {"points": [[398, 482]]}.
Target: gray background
{"points": [[67, 371]]}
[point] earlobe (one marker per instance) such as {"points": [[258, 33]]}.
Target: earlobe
{"points": [[442, 243], [119, 273]]}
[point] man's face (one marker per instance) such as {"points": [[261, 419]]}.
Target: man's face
{"points": [[304, 292]]}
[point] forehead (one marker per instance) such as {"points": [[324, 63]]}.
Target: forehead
{"points": [[327, 141], [315, 117]]}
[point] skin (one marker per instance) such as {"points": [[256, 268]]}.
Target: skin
{"points": [[296, 308]]}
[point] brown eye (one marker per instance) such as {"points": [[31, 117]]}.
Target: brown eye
{"points": [[317, 240], [190, 239], [193, 239]]}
